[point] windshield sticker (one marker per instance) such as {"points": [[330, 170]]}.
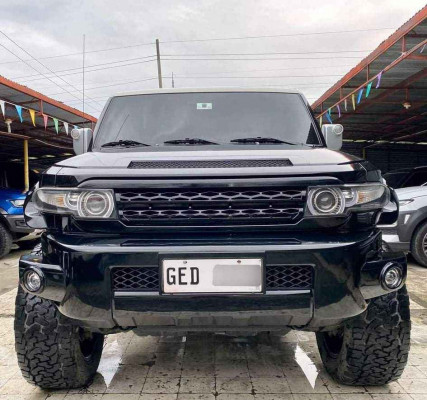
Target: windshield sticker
{"points": [[204, 106]]}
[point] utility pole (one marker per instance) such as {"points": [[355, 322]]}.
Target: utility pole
{"points": [[173, 82], [83, 74], [159, 66]]}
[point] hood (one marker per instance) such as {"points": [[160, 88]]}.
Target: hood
{"points": [[122, 159], [12, 194], [411, 192]]}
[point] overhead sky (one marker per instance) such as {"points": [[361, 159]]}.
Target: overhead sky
{"points": [[267, 43]]}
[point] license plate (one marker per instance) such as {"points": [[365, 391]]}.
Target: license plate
{"points": [[229, 275]]}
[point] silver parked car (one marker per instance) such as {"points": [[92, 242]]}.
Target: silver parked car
{"points": [[409, 233]]}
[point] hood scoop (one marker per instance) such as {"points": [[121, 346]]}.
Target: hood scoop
{"points": [[173, 164]]}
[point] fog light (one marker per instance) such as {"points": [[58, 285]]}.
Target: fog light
{"points": [[391, 276], [33, 281]]}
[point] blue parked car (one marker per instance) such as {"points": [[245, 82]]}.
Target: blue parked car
{"points": [[12, 224]]}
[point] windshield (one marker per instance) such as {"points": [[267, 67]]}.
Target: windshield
{"points": [[212, 118], [395, 179]]}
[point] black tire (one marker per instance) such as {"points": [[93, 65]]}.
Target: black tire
{"points": [[419, 244], [5, 241], [52, 353], [371, 349]]}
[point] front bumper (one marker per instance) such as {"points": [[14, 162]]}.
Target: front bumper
{"points": [[77, 275], [17, 224]]}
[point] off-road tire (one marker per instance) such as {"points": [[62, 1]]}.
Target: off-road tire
{"points": [[5, 241], [49, 347], [417, 244], [371, 349]]}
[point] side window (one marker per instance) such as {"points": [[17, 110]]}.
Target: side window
{"points": [[419, 178]]}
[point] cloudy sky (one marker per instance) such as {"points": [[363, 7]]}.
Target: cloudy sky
{"points": [[283, 43]]}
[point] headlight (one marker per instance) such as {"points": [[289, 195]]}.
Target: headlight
{"points": [[18, 203], [78, 202], [326, 201], [338, 200]]}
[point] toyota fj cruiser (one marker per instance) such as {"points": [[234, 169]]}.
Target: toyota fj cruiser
{"points": [[211, 210]]}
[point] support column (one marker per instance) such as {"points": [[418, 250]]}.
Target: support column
{"points": [[26, 167]]}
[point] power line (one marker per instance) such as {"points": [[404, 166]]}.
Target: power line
{"points": [[114, 84], [276, 36], [92, 70], [189, 77], [11, 52], [195, 55], [87, 66], [266, 54], [205, 40], [257, 77], [79, 54], [180, 59]]}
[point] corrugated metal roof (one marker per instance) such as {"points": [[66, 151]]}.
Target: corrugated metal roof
{"points": [[382, 116], [45, 145]]}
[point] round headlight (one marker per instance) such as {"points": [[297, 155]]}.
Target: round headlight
{"points": [[95, 204], [71, 200], [326, 201]]}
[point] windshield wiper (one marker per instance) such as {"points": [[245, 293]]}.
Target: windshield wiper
{"points": [[264, 140], [124, 143], [191, 141]]}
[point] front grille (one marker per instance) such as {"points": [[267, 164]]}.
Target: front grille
{"points": [[285, 277], [167, 164], [136, 278], [211, 206], [278, 277]]}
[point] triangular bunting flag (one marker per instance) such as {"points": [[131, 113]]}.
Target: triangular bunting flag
{"points": [[321, 121], [45, 118], [33, 116], [345, 104], [339, 111], [359, 97], [2, 106], [368, 89], [379, 80], [328, 116], [65, 126], [353, 101], [55, 121], [19, 111]]}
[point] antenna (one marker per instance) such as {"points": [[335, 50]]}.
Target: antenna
{"points": [[83, 91]]}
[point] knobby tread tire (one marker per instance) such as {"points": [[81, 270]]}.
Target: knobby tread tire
{"points": [[417, 245], [375, 344], [48, 348], [6, 240]]}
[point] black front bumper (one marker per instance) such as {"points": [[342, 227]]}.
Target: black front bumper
{"points": [[77, 275]]}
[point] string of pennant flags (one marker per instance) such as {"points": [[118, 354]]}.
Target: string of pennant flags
{"points": [[355, 99], [19, 110]]}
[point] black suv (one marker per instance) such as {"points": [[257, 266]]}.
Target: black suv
{"points": [[211, 210]]}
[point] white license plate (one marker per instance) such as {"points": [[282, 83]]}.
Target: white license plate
{"points": [[229, 275]]}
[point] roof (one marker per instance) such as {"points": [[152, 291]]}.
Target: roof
{"points": [[46, 146], [399, 65], [208, 90]]}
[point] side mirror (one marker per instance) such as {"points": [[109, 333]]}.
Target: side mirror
{"points": [[333, 135], [81, 139]]}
